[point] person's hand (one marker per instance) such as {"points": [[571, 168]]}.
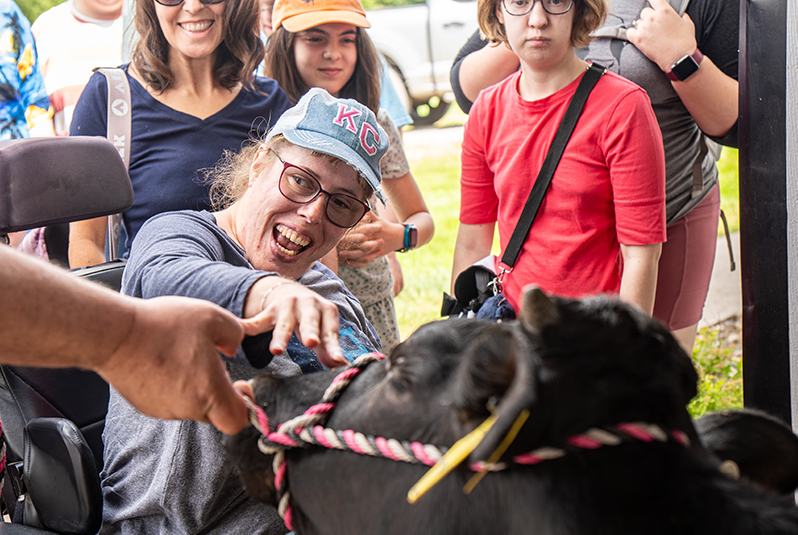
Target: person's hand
{"points": [[167, 365], [662, 35], [245, 389], [366, 242], [291, 307]]}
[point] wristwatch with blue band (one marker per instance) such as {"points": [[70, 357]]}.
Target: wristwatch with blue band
{"points": [[411, 238]]}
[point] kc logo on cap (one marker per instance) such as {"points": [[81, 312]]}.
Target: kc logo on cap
{"points": [[343, 128], [369, 138]]}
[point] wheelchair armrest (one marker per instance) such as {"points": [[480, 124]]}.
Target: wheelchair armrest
{"points": [[108, 274], [61, 478]]}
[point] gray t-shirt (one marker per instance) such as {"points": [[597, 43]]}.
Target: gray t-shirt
{"points": [[171, 476]]}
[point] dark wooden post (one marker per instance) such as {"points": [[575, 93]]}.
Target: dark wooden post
{"points": [[765, 259]]}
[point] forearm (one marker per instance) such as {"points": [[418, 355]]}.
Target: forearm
{"points": [[87, 242], [395, 232], [473, 243], [49, 315], [258, 297], [485, 67], [709, 94], [406, 206], [711, 97], [639, 278]]}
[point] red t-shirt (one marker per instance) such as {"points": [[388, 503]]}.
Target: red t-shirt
{"points": [[608, 189]]}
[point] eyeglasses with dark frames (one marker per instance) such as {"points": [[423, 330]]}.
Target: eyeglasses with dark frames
{"points": [[173, 3], [519, 8], [300, 186]]}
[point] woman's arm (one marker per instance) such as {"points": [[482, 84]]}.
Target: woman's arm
{"points": [[286, 306], [164, 365], [87, 238], [709, 95], [473, 243], [87, 242], [485, 67], [639, 278], [378, 235]]}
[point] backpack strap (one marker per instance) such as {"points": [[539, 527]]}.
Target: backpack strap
{"points": [[680, 6], [118, 132]]}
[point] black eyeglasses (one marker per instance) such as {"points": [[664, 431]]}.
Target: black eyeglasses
{"points": [[299, 186], [518, 8], [173, 3]]}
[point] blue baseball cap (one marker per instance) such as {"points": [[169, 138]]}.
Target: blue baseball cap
{"points": [[342, 128]]}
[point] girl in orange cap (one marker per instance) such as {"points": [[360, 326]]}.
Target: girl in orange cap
{"points": [[323, 44]]}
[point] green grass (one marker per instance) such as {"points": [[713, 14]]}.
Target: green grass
{"points": [[718, 359], [427, 273], [729, 191]]}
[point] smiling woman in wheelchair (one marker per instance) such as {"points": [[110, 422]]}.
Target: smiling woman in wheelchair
{"points": [[286, 203]]}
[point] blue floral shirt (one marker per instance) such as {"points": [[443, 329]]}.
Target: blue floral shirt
{"points": [[23, 97]]}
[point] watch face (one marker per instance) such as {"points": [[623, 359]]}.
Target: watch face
{"points": [[413, 237], [684, 68]]}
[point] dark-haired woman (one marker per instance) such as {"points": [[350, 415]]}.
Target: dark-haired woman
{"points": [[193, 96]]}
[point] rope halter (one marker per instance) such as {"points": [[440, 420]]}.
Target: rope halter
{"points": [[287, 434], [304, 431]]}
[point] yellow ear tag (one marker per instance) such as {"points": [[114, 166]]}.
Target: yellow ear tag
{"points": [[496, 455], [456, 454]]}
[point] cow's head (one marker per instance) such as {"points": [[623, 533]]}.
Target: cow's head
{"points": [[574, 364]]}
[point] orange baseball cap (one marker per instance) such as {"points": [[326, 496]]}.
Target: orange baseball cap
{"points": [[298, 15]]}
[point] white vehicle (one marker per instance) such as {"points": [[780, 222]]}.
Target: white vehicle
{"points": [[420, 41]]}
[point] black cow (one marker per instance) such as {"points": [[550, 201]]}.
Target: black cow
{"points": [[754, 446], [575, 365]]}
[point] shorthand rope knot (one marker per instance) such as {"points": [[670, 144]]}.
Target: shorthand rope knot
{"points": [[286, 435]]}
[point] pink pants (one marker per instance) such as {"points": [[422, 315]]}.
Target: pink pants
{"points": [[685, 266]]}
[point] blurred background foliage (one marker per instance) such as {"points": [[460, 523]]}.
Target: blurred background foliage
{"points": [[33, 8], [379, 4]]}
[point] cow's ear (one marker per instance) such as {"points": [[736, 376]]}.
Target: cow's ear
{"points": [[499, 377], [538, 310]]}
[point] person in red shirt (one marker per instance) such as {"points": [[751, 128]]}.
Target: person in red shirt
{"points": [[601, 225]]}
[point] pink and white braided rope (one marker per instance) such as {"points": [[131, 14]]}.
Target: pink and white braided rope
{"points": [[302, 432], [286, 436]]}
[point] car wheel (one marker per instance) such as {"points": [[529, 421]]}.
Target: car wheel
{"points": [[429, 112]]}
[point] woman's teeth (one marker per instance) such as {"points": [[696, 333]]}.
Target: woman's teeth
{"points": [[291, 236], [196, 26]]}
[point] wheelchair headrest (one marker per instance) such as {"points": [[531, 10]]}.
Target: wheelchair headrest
{"points": [[46, 181]]}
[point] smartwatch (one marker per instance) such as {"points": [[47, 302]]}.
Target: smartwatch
{"points": [[411, 238], [685, 67]]}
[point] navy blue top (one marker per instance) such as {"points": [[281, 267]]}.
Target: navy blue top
{"points": [[170, 147]]}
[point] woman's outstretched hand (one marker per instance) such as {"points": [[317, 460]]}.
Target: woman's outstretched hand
{"points": [[290, 307]]}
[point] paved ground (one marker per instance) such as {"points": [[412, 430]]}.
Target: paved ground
{"points": [[725, 296]]}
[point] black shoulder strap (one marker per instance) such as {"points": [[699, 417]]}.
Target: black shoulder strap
{"points": [[543, 180]]}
